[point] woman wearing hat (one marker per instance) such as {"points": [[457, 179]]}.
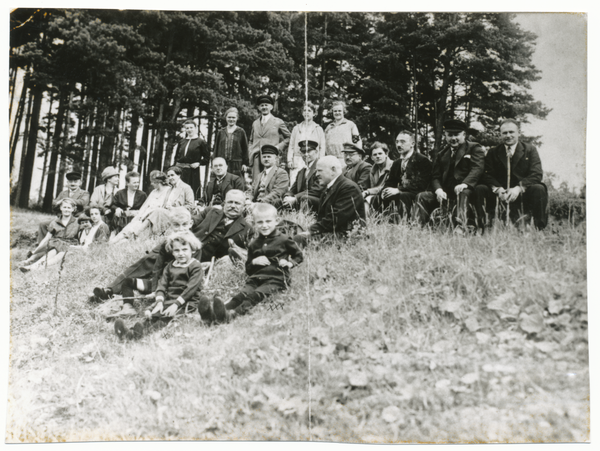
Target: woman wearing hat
{"points": [[103, 195], [62, 233], [231, 144], [304, 131]]}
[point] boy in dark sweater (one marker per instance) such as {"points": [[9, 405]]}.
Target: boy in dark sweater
{"points": [[270, 258], [180, 283]]}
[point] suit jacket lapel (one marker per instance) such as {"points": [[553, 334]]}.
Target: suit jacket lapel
{"points": [[330, 191], [270, 176], [235, 228], [462, 150], [300, 179], [215, 219], [519, 152]]}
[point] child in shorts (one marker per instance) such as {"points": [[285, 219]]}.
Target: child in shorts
{"points": [[270, 257]]}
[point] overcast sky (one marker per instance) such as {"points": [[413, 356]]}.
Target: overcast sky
{"points": [[561, 56]]}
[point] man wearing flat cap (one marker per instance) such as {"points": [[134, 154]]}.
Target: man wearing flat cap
{"points": [[357, 170], [273, 182], [74, 192], [103, 195], [267, 129], [456, 171], [306, 189], [524, 193]]}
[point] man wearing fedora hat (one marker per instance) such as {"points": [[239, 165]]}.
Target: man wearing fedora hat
{"points": [[306, 189], [103, 195], [357, 170], [456, 171], [73, 192], [267, 129], [273, 182]]}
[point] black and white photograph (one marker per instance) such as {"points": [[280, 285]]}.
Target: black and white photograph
{"points": [[338, 226]]}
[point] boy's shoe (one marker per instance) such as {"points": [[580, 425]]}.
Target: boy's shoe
{"points": [[103, 293], [121, 329], [127, 310], [219, 309], [205, 309], [24, 269], [29, 254], [138, 330]]}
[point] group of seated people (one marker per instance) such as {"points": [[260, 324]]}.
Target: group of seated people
{"points": [[231, 224]]}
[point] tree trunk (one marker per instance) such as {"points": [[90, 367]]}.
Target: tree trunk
{"points": [[108, 142], [86, 138], [29, 160], [55, 151], [441, 108], [48, 149], [95, 147], [17, 125]]}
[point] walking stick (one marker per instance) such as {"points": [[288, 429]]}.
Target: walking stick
{"points": [[210, 269], [507, 185]]}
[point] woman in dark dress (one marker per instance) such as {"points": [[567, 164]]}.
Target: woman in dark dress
{"points": [[192, 152], [231, 144]]}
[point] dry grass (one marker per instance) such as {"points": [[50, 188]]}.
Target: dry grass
{"points": [[409, 336]]}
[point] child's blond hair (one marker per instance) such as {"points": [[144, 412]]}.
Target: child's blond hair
{"points": [[186, 237], [180, 214], [263, 209]]}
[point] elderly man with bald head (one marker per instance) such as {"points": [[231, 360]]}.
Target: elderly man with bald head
{"points": [[221, 182], [341, 205]]}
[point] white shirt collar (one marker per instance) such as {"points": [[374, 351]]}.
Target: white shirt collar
{"points": [[408, 155], [330, 184], [512, 149], [264, 119]]}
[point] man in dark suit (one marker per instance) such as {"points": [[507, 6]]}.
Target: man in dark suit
{"points": [[357, 170], [192, 152], [306, 189], [456, 171], [409, 175], [524, 193], [341, 206], [220, 184], [273, 182], [214, 227], [127, 202]]}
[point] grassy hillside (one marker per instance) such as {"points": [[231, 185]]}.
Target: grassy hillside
{"points": [[408, 336]]}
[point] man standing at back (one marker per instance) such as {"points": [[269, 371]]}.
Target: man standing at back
{"points": [[267, 129], [525, 192]]}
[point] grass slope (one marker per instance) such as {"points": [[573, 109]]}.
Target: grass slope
{"points": [[409, 336]]}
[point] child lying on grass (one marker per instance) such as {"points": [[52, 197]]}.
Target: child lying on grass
{"points": [[180, 283], [62, 233], [270, 257]]}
